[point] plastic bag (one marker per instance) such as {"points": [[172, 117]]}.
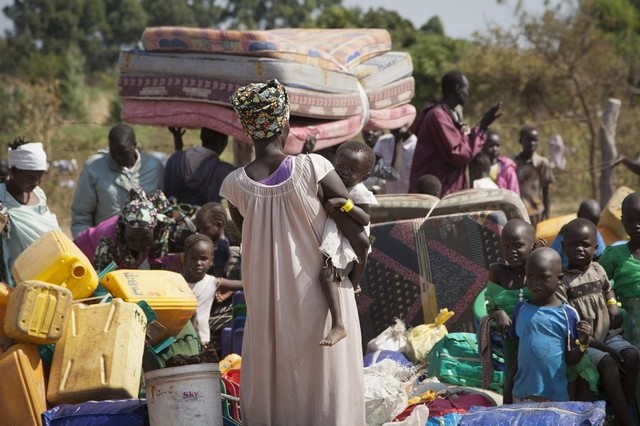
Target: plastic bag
{"points": [[386, 391], [418, 417], [393, 338], [423, 337], [125, 412]]}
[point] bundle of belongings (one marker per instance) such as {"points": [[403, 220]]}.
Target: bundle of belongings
{"points": [[339, 81]]}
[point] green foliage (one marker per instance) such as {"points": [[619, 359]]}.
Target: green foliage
{"points": [[433, 26], [434, 55]]}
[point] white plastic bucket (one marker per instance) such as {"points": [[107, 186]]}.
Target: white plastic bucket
{"points": [[184, 395]]}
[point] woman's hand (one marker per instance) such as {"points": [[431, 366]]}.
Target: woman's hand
{"points": [[334, 203]]}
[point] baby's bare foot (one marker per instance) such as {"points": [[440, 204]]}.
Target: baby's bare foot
{"points": [[335, 335]]}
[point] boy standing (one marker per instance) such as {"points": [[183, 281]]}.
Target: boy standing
{"points": [[534, 176]]}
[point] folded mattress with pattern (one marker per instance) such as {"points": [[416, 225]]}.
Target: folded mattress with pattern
{"points": [[333, 49], [237, 68]]}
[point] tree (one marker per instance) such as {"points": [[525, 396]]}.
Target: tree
{"points": [[265, 14], [433, 26], [97, 27]]}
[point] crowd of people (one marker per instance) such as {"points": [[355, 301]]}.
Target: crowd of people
{"points": [[303, 223]]}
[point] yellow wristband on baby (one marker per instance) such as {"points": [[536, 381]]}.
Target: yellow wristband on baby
{"points": [[613, 301], [583, 348], [347, 206]]}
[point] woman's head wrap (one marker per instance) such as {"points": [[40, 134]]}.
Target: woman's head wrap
{"points": [[262, 108], [140, 211], [29, 156]]}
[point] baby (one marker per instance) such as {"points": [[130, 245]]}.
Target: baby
{"points": [[346, 254]]}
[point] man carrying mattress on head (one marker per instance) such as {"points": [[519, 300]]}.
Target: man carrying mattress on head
{"points": [[24, 204]]}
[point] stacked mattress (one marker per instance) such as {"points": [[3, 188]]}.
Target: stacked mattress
{"points": [[339, 81]]}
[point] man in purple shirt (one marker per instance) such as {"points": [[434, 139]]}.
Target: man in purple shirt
{"points": [[445, 143]]}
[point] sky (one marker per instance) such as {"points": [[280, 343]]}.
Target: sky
{"points": [[460, 18]]}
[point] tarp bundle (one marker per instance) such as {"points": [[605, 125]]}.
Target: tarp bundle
{"points": [[339, 81]]}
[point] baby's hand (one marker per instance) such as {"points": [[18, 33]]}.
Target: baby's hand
{"points": [[584, 332], [334, 203]]}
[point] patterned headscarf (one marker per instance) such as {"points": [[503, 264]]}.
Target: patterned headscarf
{"points": [[139, 211], [262, 108]]}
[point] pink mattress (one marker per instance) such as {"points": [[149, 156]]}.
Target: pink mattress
{"points": [[391, 118], [223, 119], [324, 48], [393, 94], [305, 103]]}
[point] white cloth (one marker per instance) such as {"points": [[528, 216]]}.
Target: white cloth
{"points": [[485, 183], [287, 377], [27, 223], [205, 290], [556, 157], [404, 150], [334, 244], [30, 156]]}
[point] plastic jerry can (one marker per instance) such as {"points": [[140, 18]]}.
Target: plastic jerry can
{"points": [[55, 259], [611, 216], [99, 356], [166, 292], [22, 386], [36, 312], [5, 290]]}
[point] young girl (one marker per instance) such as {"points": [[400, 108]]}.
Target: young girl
{"points": [[622, 265], [546, 330], [503, 169], [506, 286], [353, 164], [198, 259], [589, 291]]}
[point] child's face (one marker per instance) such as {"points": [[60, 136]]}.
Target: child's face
{"points": [[351, 166], [198, 260], [492, 146], [631, 218], [542, 276], [579, 246], [516, 245], [210, 228]]}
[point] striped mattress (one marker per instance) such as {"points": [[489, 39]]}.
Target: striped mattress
{"points": [[383, 69], [331, 49], [237, 68], [195, 115], [391, 118], [305, 103]]}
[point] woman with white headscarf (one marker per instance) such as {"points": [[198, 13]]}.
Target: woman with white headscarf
{"points": [[24, 202]]}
